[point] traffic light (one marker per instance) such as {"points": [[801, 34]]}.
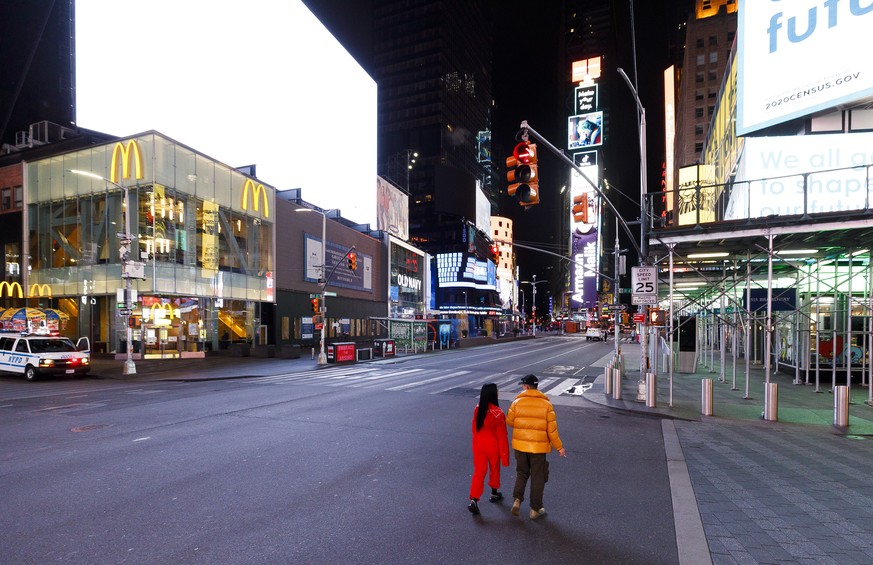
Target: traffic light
{"points": [[495, 253], [657, 317], [314, 302], [353, 261], [580, 209], [131, 322], [522, 174]]}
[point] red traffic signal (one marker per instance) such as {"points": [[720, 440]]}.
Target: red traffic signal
{"points": [[314, 302], [495, 253], [580, 208], [522, 175], [353, 261]]}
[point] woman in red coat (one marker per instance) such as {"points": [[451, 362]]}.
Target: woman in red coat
{"points": [[490, 446]]}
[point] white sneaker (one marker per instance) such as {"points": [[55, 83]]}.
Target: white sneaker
{"points": [[534, 514]]}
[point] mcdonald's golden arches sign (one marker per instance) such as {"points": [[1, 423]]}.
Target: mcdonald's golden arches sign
{"points": [[259, 195], [131, 158]]}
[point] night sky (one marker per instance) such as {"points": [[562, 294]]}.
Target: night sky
{"points": [[529, 84]]}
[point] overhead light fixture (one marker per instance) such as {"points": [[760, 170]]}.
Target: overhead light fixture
{"points": [[686, 288], [859, 252], [695, 284], [797, 252], [712, 255]]}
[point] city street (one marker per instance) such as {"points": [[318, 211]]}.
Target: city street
{"points": [[361, 464]]}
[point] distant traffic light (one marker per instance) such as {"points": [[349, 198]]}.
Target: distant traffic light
{"points": [[495, 253], [522, 174], [580, 209], [314, 302], [353, 261]]}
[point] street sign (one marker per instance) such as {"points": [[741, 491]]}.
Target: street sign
{"points": [[316, 295], [639, 318], [330, 293], [125, 312], [644, 285], [614, 307]]}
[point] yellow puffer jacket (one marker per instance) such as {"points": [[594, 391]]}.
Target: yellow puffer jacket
{"points": [[533, 422]]}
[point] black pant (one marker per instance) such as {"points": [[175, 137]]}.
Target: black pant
{"points": [[533, 466]]}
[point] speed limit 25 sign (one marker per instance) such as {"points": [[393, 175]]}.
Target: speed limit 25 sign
{"points": [[644, 285]]}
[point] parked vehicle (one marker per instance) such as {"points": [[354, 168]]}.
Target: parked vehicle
{"points": [[35, 355], [594, 333]]}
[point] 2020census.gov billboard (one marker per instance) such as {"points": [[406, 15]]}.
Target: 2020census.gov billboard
{"points": [[799, 57]]}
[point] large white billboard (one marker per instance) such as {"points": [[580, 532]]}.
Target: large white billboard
{"points": [[799, 57], [811, 174], [247, 83]]}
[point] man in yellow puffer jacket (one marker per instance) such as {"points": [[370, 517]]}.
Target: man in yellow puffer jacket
{"points": [[534, 433]]}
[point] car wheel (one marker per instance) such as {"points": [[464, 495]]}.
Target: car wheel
{"points": [[30, 373]]}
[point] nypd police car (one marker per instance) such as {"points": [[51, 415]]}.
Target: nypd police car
{"points": [[35, 355]]}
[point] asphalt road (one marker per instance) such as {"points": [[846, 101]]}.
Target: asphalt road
{"points": [[366, 464]]}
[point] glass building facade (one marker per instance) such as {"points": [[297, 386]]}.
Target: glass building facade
{"points": [[202, 250]]}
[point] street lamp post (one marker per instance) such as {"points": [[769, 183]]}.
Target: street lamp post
{"points": [[533, 308], [644, 220], [124, 241], [322, 356]]}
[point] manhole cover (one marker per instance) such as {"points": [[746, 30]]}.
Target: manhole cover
{"points": [[89, 428]]}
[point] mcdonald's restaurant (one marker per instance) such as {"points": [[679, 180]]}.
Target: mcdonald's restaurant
{"points": [[146, 243]]}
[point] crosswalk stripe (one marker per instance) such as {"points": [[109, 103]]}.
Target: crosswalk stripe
{"points": [[561, 387], [428, 381]]}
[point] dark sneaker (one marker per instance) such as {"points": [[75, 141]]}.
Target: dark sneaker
{"points": [[496, 497], [473, 507], [515, 507]]}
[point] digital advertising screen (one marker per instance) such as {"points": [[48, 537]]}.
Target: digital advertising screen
{"points": [[799, 57], [585, 130]]}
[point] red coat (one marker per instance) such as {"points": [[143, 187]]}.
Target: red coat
{"points": [[492, 440]]}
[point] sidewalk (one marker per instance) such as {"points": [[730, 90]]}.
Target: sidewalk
{"points": [[797, 404]]}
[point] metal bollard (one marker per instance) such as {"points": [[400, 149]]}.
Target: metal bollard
{"points": [[841, 406], [771, 402], [706, 397], [651, 390], [607, 379], [313, 353], [616, 384]]}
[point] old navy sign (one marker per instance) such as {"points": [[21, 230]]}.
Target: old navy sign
{"points": [[408, 283]]}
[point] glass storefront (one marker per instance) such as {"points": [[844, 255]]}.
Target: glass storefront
{"points": [[202, 249], [407, 273]]}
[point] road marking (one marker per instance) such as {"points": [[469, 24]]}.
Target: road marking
{"points": [[427, 381], [142, 438], [561, 387]]}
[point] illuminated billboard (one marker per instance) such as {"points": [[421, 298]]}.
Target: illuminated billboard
{"points": [[584, 235], [774, 168], [800, 57], [585, 130], [465, 270], [230, 101], [392, 209]]}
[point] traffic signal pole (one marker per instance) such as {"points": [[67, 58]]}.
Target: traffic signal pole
{"points": [[641, 249]]}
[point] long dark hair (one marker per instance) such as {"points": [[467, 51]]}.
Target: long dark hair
{"points": [[487, 397]]}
